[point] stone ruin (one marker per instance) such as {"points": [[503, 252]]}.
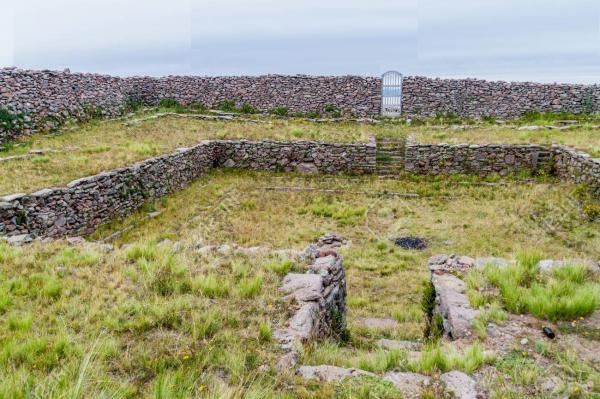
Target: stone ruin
{"points": [[316, 299]]}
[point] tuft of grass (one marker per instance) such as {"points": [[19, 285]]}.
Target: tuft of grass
{"points": [[278, 266], [365, 388], [171, 104], [566, 293], [248, 109], [442, 358], [96, 149], [76, 257], [344, 214], [19, 321], [264, 332], [492, 314], [279, 111], [382, 360], [212, 286], [250, 287], [227, 106], [9, 253], [143, 148]]}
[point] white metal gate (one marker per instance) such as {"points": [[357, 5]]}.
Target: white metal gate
{"points": [[391, 94]]}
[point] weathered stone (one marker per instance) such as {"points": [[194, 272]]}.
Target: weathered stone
{"points": [[410, 384], [460, 385], [297, 281], [287, 362], [307, 168], [19, 239], [453, 305], [75, 240], [482, 262], [327, 373], [402, 345]]}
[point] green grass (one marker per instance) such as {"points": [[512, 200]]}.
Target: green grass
{"points": [[566, 293], [104, 145], [443, 358], [157, 317]]}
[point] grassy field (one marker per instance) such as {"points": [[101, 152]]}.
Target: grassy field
{"points": [[107, 145], [104, 145], [156, 318]]}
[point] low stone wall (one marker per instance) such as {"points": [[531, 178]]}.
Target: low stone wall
{"points": [[301, 156], [577, 167], [476, 159], [84, 204], [316, 299]]}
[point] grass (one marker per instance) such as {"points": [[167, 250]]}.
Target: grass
{"points": [[155, 317], [565, 293], [102, 145]]}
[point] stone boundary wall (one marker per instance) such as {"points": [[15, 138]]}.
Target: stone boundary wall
{"points": [[477, 98], [299, 93], [577, 167], [84, 204], [48, 98], [476, 159]]}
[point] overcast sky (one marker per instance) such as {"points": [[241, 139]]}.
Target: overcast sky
{"points": [[539, 40]]}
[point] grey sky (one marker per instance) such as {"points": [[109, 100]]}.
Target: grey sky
{"points": [[540, 40]]}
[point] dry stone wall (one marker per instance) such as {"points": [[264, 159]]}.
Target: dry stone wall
{"points": [[84, 204], [476, 159], [300, 93], [316, 299], [577, 167], [477, 98], [47, 98], [301, 156]]}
